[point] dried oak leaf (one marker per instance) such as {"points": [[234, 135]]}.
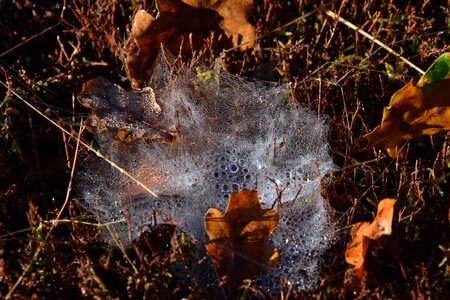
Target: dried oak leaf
{"points": [[239, 246], [416, 110], [363, 233], [185, 24], [125, 115]]}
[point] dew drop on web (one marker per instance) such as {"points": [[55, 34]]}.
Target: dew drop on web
{"points": [[226, 142]]}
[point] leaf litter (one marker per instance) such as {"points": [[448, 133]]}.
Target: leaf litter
{"points": [[184, 26]]}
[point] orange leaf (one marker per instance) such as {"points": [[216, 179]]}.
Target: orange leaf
{"points": [[382, 224], [357, 248], [239, 237], [363, 232], [185, 25], [416, 110]]}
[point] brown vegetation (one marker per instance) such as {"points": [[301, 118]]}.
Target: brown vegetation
{"points": [[49, 248]]}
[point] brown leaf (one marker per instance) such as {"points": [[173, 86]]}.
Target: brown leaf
{"points": [[416, 110], [126, 115], [185, 25], [363, 232], [239, 245]]}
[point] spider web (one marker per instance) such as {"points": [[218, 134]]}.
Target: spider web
{"points": [[231, 134]]}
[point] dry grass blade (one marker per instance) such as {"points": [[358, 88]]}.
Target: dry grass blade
{"points": [[29, 39], [71, 221], [296, 20], [373, 39], [84, 144], [79, 141], [41, 245]]}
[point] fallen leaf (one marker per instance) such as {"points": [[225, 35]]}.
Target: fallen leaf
{"points": [[363, 233], [357, 248], [239, 245], [416, 110], [382, 224], [185, 25], [126, 115]]}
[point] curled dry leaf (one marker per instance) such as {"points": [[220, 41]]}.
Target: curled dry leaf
{"points": [[185, 25], [363, 232], [126, 115], [357, 248], [416, 110], [239, 245]]}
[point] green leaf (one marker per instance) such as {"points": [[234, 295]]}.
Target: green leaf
{"points": [[437, 72]]}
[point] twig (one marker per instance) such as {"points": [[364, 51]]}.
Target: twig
{"points": [[72, 173], [373, 39], [9, 234], [279, 192], [66, 148], [56, 221]]}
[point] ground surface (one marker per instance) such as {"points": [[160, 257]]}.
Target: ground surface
{"points": [[334, 70]]}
